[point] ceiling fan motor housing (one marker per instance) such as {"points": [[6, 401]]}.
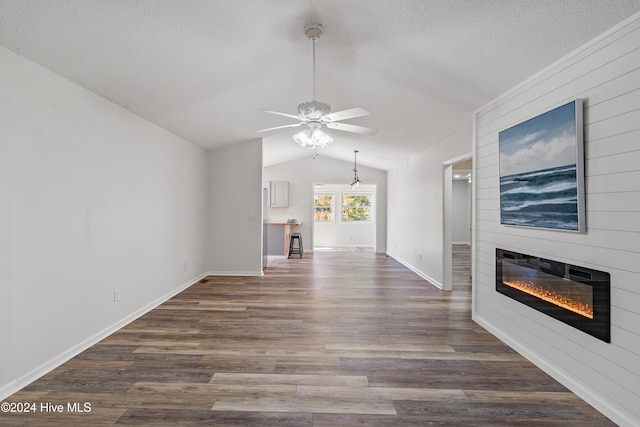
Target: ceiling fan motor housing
{"points": [[313, 109]]}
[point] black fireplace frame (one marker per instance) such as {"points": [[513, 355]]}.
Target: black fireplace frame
{"points": [[600, 281]]}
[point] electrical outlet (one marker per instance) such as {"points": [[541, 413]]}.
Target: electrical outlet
{"points": [[116, 296]]}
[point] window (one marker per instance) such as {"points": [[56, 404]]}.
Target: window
{"points": [[323, 207], [356, 207]]}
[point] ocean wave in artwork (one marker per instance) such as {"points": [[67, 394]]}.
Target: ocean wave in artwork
{"points": [[546, 198]]}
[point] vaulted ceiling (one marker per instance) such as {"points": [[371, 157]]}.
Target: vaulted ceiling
{"points": [[204, 69]]}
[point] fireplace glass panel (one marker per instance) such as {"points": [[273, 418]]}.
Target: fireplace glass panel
{"points": [[562, 292]]}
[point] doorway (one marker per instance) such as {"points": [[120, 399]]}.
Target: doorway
{"points": [[458, 217]]}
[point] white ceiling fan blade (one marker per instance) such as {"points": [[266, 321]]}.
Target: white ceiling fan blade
{"points": [[291, 116], [352, 128], [281, 127], [346, 114]]}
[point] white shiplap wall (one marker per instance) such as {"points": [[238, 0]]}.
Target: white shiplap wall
{"points": [[606, 75]]}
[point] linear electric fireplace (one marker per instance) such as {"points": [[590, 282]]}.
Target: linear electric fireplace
{"points": [[577, 296]]}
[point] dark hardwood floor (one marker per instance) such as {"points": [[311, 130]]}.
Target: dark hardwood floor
{"points": [[332, 339]]}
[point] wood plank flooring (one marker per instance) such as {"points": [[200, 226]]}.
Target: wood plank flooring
{"points": [[332, 339]]}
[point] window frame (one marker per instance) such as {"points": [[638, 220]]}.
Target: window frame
{"points": [[371, 209], [332, 207]]}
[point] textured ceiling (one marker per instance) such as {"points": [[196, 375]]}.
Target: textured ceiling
{"points": [[204, 69]]}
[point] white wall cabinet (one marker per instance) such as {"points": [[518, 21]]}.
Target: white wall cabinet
{"points": [[279, 194]]}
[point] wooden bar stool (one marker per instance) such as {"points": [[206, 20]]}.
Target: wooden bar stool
{"points": [[293, 248]]}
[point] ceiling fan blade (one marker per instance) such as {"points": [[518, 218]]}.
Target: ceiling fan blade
{"points": [[352, 128], [346, 114], [291, 116], [281, 127]]}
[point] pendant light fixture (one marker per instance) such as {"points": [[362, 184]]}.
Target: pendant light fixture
{"points": [[356, 181]]}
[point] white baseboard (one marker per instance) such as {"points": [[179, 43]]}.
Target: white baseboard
{"points": [[598, 400], [19, 383], [425, 276]]}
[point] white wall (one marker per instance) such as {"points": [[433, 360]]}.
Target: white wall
{"points": [[461, 212], [93, 200], [606, 74], [303, 173], [415, 205], [235, 210]]}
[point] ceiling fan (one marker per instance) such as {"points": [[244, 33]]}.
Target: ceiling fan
{"points": [[313, 114]]}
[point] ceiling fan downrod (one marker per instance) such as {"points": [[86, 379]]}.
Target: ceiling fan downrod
{"points": [[313, 32]]}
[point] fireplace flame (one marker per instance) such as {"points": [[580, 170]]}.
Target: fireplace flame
{"points": [[549, 295]]}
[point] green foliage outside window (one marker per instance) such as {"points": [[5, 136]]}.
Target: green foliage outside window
{"points": [[323, 207], [356, 207]]}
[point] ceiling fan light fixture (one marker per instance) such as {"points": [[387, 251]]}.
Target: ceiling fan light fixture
{"points": [[312, 137]]}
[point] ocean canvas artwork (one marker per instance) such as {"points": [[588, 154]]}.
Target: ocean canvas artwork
{"points": [[541, 171]]}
